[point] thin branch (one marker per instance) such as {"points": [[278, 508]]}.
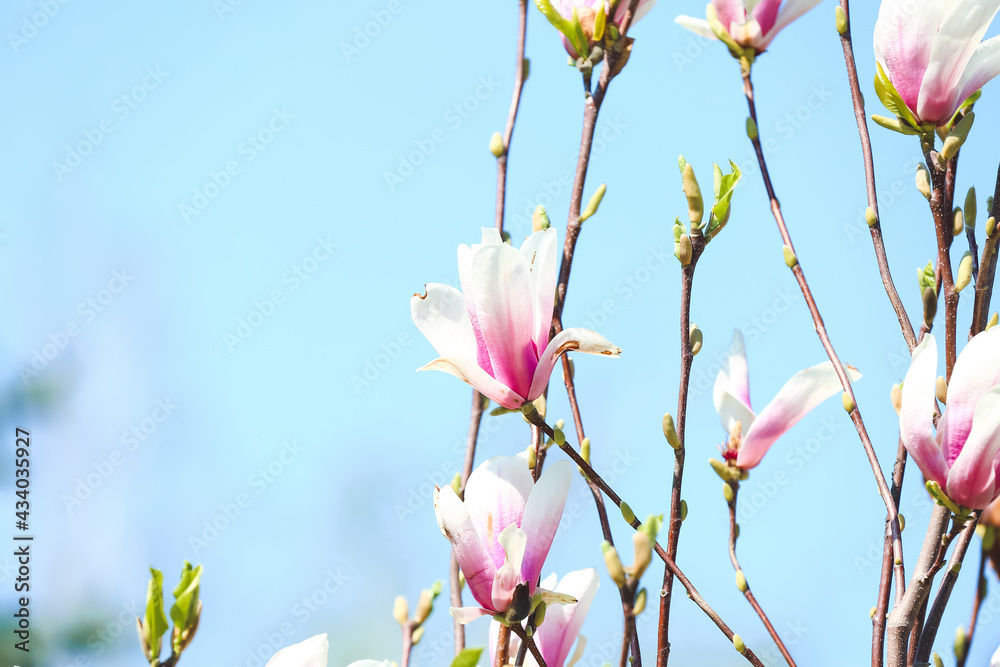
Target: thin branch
{"points": [[987, 269], [944, 226], [529, 642], [407, 643], [503, 646], [976, 604], [515, 102]]}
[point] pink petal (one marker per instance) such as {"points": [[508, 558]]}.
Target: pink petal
{"points": [[568, 340], [310, 653], [540, 251], [563, 622], [640, 11], [466, 615], [916, 414], [542, 514], [904, 35], [976, 372], [792, 10], [457, 526], [795, 400], [495, 498], [765, 11], [441, 316], [982, 68], [468, 370], [465, 277], [501, 287], [962, 27], [972, 478], [513, 541], [730, 12]]}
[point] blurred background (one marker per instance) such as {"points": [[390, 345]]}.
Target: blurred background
{"points": [[214, 214]]}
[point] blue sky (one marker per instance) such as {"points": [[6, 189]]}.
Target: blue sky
{"points": [[229, 205]]}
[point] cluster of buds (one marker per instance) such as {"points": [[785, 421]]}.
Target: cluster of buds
{"points": [[185, 614], [425, 605], [627, 577], [689, 243]]}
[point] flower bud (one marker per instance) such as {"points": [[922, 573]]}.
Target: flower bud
{"points": [[896, 396], [841, 19], [871, 612], [870, 216], [956, 138], [993, 321], [643, 553], [456, 484], [930, 306], [848, 402], [627, 513], [417, 635], [496, 145], [639, 605], [741, 581], [595, 202], [532, 459], [970, 208], [964, 272], [752, 129], [540, 219], [696, 204], [941, 390], [958, 221], [669, 432], [540, 613], [585, 450], [738, 644], [400, 610], [559, 437], [684, 251], [727, 493], [684, 510], [614, 564], [790, 259], [924, 181], [526, 69], [937, 660], [991, 224], [960, 642], [902, 522], [697, 338]]}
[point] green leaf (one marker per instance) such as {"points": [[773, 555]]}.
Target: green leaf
{"points": [[184, 611], [926, 278], [467, 658], [891, 98], [155, 623], [724, 187], [599, 20], [564, 26]]}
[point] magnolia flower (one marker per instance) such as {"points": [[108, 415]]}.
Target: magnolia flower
{"points": [[995, 660], [751, 435], [494, 334], [963, 455], [313, 653], [555, 636], [502, 532], [749, 23], [586, 15], [931, 52]]}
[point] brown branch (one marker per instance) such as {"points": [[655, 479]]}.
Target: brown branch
{"points": [[944, 226], [408, 628], [503, 646], [528, 642], [976, 604], [515, 102]]}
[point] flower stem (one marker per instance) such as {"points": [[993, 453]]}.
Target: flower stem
{"points": [[515, 102]]}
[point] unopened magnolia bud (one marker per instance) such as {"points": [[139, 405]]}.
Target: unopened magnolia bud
{"points": [[924, 181], [697, 338], [696, 204], [956, 568], [960, 642], [993, 321], [417, 635], [741, 581], [970, 208], [559, 437], [560, 424], [669, 432], [751, 128], [425, 605], [727, 493], [595, 202], [941, 390], [540, 219], [737, 531], [848, 402], [896, 396], [684, 510], [526, 69], [790, 259], [841, 19], [956, 138], [871, 612], [532, 459], [902, 522], [540, 613], [738, 644], [639, 605], [627, 513], [991, 224], [585, 450], [613, 563], [643, 553], [684, 250], [958, 221], [930, 305], [870, 216], [456, 483], [400, 610], [496, 145], [964, 272], [505, 236]]}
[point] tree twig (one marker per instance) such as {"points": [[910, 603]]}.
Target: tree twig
{"points": [[515, 102]]}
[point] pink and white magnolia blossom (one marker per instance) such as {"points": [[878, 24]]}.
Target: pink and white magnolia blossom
{"points": [[494, 334], [313, 653], [555, 636], [750, 434], [587, 9], [963, 455], [995, 660], [750, 23], [502, 531], [931, 52]]}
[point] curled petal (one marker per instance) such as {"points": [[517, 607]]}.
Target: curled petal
{"points": [[456, 525], [542, 514], [540, 252], [441, 316], [972, 478], [803, 392], [916, 413], [976, 372], [697, 26], [508, 576], [982, 68], [734, 380], [310, 653], [791, 10], [466, 615], [568, 340], [563, 623], [468, 371]]}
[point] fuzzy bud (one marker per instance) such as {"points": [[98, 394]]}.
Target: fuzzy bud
{"points": [[991, 224], [961, 643], [741, 581], [970, 208], [924, 181], [639, 605], [791, 261], [930, 305], [964, 272], [627, 513], [496, 145], [540, 613], [896, 396], [697, 338], [400, 610], [643, 553], [585, 450], [595, 202], [941, 390], [614, 564], [669, 432], [993, 321], [751, 128], [870, 216], [727, 493], [938, 662], [841, 16], [685, 251], [540, 219], [957, 221], [417, 635], [684, 510], [738, 644], [696, 204], [848, 402]]}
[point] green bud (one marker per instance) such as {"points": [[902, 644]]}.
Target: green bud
{"points": [[895, 124], [595, 202], [726, 472], [627, 513], [540, 219], [505, 235], [937, 660], [613, 563], [738, 644], [456, 483], [953, 142], [737, 531], [684, 251], [400, 610], [696, 204], [532, 459], [417, 635], [684, 510], [697, 338], [941, 390], [958, 221], [751, 129], [639, 605], [924, 181], [526, 69], [991, 224], [727, 493], [902, 522], [930, 305], [970, 208], [652, 525], [870, 216], [425, 605], [790, 259], [496, 145], [871, 612], [643, 553], [960, 643], [559, 437], [540, 613], [989, 537], [848, 402], [585, 450], [741, 581], [669, 432], [841, 19], [964, 272], [956, 568], [993, 321], [560, 424]]}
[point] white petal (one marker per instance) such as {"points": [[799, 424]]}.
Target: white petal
{"points": [[976, 372], [441, 316], [542, 514], [568, 340], [982, 68], [495, 498], [466, 615], [697, 26], [310, 653], [468, 371], [541, 252]]}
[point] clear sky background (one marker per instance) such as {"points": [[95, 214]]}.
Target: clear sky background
{"points": [[234, 262]]}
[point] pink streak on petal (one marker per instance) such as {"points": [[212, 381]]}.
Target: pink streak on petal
{"points": [[456, 524], [976, 372], [495, 497], [916, 423], [542, 514]]}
